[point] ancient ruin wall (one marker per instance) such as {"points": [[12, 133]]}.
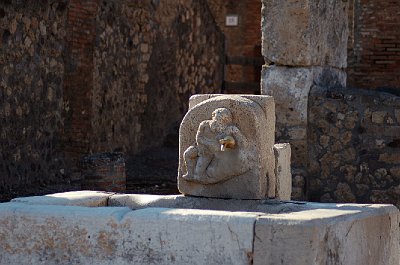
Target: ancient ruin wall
{"points": [[354, 146], [374, 44], [92, 76], [241, 41], [150, 56], [31, 91]]}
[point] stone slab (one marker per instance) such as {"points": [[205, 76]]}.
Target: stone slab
{"points": [[304, 233], [140, 201], [74, 198], [283, 171], [329, 234], [254, 116], [305, 33], [39, 234]]}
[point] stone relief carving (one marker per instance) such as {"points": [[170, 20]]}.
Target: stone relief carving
{"points": [[220, 151]]}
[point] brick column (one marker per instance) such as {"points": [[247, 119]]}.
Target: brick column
{"points": [[78, 80], [304, 44]]}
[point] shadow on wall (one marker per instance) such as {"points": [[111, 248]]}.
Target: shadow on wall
{"points": [[96, 76]]}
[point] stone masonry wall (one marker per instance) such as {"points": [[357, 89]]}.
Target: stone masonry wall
{"points": [[354, 146], [374, 44], [94, 76], [150, 56], [31, 91]]}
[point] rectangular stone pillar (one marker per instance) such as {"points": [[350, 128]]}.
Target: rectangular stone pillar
{"points": [[305, 32], [304, 43], [290, 87], [282, 171]]}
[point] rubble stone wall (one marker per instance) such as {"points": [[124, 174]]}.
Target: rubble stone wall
{"points": [[150, 57], [95, 76], [354, 146], [31, 91]]}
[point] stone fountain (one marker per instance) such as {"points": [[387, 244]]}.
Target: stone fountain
{"points": [[235, 208]]}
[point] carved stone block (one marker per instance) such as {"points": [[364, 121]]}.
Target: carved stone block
{"points": [[226, 147], [282, 171]]}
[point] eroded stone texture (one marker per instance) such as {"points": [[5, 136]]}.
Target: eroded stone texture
{"points": [[80, 235], [305, 33], [290, 88], [342, 235], [287, 233], [252, 127], [353, 146]]}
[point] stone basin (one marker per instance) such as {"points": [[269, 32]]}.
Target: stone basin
{"points": [[88, 227]]}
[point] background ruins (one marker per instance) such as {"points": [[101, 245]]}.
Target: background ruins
{"points": [[90, 76]]}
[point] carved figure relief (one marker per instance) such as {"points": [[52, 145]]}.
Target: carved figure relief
{"points": [[220, 151]]}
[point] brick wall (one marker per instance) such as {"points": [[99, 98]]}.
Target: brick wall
{"points": [[241, 40], [78, 78], [374, 46]]}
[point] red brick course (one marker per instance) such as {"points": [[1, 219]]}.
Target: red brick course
{"points": [[374, 44], [78, 79]]}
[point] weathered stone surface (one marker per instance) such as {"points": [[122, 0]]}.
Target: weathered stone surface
{"points": [[378, 116], [253, 119], [75, 198], [305, 33], [140, 201], [72, 235], [342, 234], [290, 87], [352, 150], [282, 171], [287, 233]]}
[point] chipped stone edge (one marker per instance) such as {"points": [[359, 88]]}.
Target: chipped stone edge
{"points": [[356, 211]]}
